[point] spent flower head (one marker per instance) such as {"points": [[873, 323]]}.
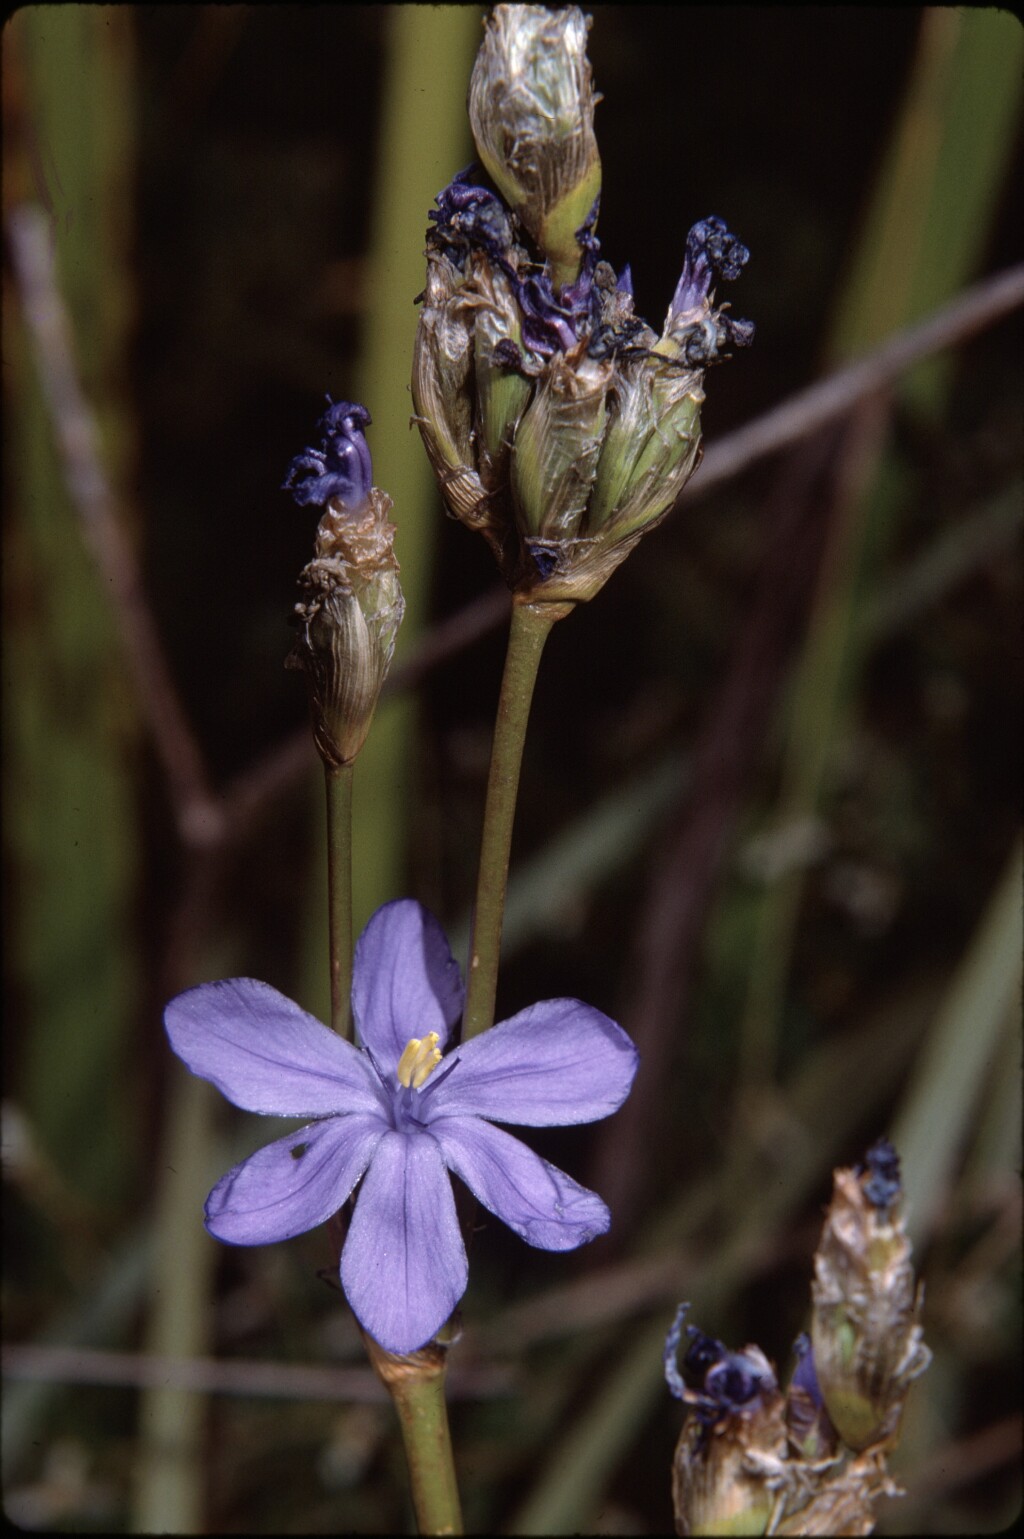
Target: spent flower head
{"points": [[729, 1460], [750, 1462], [558, 423], [868, 1344], [398, 1114], [351, 603]]}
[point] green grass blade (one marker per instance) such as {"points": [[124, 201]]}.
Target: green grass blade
{"points": [[936, 1117]]}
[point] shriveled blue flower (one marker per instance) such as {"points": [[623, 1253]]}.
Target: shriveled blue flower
{"points": [[397, 1115], [340, 469], [884, 1186], [729, 1461], [715, 1382]]}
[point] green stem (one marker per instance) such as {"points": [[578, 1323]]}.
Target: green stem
{"points": [[531, 624], [416, 1385], [339, 893]]}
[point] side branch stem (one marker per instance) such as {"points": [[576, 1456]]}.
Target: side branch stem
{"points": [[531, 624], [339, 893]]}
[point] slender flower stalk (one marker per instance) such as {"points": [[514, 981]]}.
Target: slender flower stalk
{"points": [[415, 1382], [338, 784], [530, 628], [349, 612]]}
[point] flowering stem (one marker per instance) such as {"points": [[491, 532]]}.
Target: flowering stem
{"points": [[416, 1385], [531, 624], [339, 893]]}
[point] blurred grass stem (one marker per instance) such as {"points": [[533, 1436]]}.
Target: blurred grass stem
{"points": [[531, 625]]}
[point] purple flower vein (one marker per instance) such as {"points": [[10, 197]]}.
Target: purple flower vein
{"points": [[399, 1124]]}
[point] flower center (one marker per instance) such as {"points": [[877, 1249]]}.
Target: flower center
{"points": [[421, 1055]]}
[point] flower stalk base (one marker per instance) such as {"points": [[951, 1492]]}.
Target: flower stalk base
{"points": [[415, 1383]]}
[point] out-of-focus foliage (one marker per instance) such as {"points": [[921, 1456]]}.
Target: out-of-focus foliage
{"points": [[221, 175]]}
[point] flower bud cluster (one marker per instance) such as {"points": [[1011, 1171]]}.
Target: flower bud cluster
{"points": [[351, 603], [558, 423], [814, 1461]]}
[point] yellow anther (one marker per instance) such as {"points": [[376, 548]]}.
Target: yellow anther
{"points": [[418, 1059]]}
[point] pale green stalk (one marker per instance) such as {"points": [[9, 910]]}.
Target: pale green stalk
{"points": [[531, 624], [339, 893], [416, 1385]]}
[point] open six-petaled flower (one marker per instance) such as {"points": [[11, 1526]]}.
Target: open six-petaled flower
{"points": [[395, 1115]]}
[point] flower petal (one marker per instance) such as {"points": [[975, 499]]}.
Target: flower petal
{"points": [[294, 1183], [557, 1063], [541, 1203], [266, 1054], [404, 1265], [405, 981]]}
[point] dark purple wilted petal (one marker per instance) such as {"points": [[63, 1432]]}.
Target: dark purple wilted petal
{"points": [[541, 1203], [341, 469], [266, 1054], [805, 1376], [293, 1184], [405, 981], [882, 1168], [559, 1062], [468, 215], [711, 252], [404, 1265]]}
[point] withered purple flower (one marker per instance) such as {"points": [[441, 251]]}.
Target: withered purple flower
{"points": [[715, 1382], [397, 1115], [340, 469]]}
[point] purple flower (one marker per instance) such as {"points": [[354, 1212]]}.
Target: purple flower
{"points": [[723, 1383], [395, 1114], [341, 468]]}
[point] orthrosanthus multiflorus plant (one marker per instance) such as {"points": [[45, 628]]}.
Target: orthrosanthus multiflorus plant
{"points": [[563, 427], [397, 1114]]}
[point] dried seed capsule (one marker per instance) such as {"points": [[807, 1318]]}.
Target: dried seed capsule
{"points": [[557, 445]]}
